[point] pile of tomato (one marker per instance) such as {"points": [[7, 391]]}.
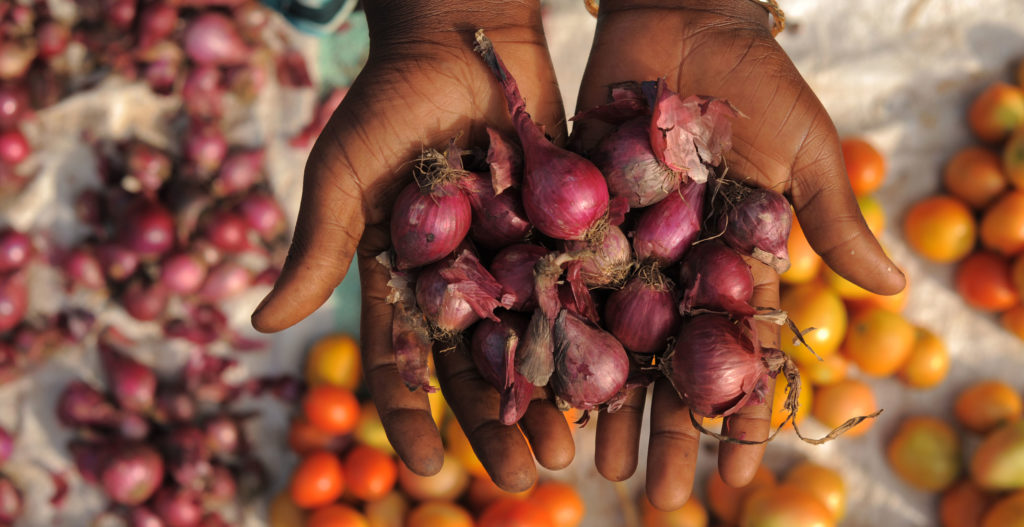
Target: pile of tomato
{"points": [[349, 476], [978, 221]]}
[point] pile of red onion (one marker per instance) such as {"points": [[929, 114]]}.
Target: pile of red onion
{"points": [[570, 271]]}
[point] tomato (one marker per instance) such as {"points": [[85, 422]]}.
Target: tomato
{"points": [[814, 305], [447, 484], [846, 289], [865, 166], [304, 438], [785, 506], [821, 482], [283, 512], [336, 515], [925, 453], [1013, 159], [318, 480], [511, 512], [846, 399], [388, 511], [562, 502], [804, 263], [691, 514], [940, 228], [895, 303], [985, 405], [983, 280], [482, 492], [459, 447], [725, 502], [331, 409], [1012, 320], [874, 214], [827, 371], [998, 462], [438, 406], [879, 341], [963, 505], [1002, 225], [1007, 512], [996, 112], [1017, 274], [334, 360], [779, 414], [439, 514], [369, 473], [975, 176], [928, 362], [370, 431]]}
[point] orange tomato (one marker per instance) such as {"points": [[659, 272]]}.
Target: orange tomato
{"points": [[925, 453], [439, 514], [836, 403], [928, 362], [331, 409], [996, 112], [1007, 512], [804, 263], [691, 514], [304, 438], [337, 515], [459, 447], [283, 512], [975, 176], [821, 482], [940, 228], [865, 166], [879, 341], [963, 505], [725, 502], [786, 505], [1002, 224], [985, 405], [447, 484], [779, 413], [895, 303], [846, 289], [334, 360], [1017, 274], [562, 502], [482, 492], [813, 305], [824, 372], [1013, 159], [1013, 320], [370, 431], [318, 480], [511, 512], [388, 511], [369, 473], [983, 280], [874, 214], [998, 462]]}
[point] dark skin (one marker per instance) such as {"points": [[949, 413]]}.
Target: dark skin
{"points": [[423, 85]]}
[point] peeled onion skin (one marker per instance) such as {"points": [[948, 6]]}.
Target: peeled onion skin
{"points": [[456, 292], [513, 269], [591, 366], [498, 219], [630, 166]]}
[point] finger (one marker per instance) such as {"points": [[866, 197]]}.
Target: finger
{"points": [[672, 449], [738, 463], [828, 211], [501, 448], [404, 414], [548, 433], [618, 437]]}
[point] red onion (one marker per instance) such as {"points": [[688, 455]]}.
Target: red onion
{"points": [[252, 17], [6, 445], [14, 148], [605, 263], [716, 367], [83, 405], [246, 82], [505, 160], [498, 220], [222, 435], [15, 250], [643, 314], [144, 300], [225, 280], [428, 223], [13, 300], [147, 229], [221, 487], [178, 507], [240, 171], [176, 406], [410, 336], [456, 292], [513, 269], [493, 350], [590, 364], [228, 231], [263, 214], [145, 517], [757, 223], [122, 13], [53, 38], [148, 166], [630, 166], [666, 230], [212, 38], [564, 195], [83, 268], [202, 93], [132, 474], [715, 277], [133, 427], [132, 383], [183, 273], [205, 148], [14, 105], [157, 21], [15, 58], [11, 502], [90, 458], [118, 262]]}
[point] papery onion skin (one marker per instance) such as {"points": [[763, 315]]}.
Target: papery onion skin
{"points": [[493, 350], [643, 314], [456, 292], [715, 367], [758, 225], [715, 277], [498, 220], [605, 263], [630, 166], [513, 269], [665, 231], [590, 364], [427, 226]]}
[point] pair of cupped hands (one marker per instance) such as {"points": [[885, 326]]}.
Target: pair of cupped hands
{"points": [[423, 84]]}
